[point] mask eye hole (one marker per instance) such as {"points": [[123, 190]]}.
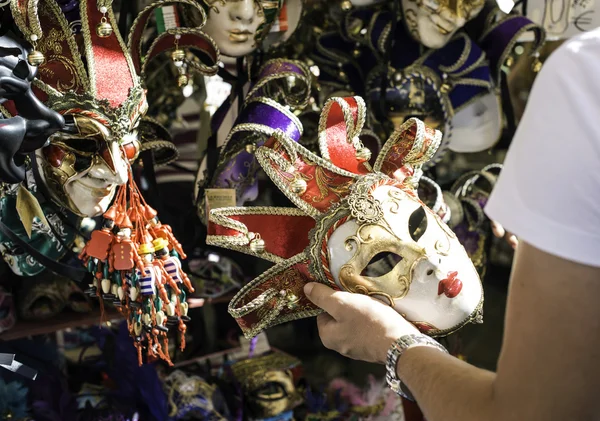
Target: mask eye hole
{"points": [[417, 224], [21, 70], [381, 263]]}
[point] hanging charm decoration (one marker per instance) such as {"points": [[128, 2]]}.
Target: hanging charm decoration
{"points": [[136, 263], [104, 29]]}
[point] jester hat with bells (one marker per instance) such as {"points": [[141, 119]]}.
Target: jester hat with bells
{"points": [[89, 75], [349, 217]]}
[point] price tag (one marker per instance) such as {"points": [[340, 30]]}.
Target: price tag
{"points": [[563, 19], [219, 198]]}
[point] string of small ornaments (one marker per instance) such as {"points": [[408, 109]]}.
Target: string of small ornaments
{"points": [[136, 264]]}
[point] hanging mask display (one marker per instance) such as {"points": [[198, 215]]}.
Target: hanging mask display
{"points": [[282, 87], [434, 88], [84, 163], [239, 26], [453, 86], [86, 167], [434, 22], [412, 93], [348, 217]]}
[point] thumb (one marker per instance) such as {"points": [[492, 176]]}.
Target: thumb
{"points": [[324, 297]]}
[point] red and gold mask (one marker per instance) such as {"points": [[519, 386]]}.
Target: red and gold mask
{"points": [[350, 216]]}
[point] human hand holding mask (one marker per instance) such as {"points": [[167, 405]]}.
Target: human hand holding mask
{"points": [[348, 217]]}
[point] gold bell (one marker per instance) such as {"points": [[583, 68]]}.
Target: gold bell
{"points": [[298, 186], [182, 80], [509, 62], [445, 88], [293, 301], [346, 5], [536, 66], [363, 154], [356, 53], [177, 56], [251, 148], [104, 29], [257, 245], [36, 58]]}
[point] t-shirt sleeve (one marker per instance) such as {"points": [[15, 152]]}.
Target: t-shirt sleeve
{"points": [[548, 193]]}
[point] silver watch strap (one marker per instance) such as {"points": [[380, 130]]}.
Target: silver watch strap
{"points": [[395, 352]]}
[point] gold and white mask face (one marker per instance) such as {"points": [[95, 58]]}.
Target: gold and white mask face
{"points": [[83, 167], [406, 257], [234, 25], [434, 22]]}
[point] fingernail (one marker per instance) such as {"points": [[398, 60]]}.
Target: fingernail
{"points": [[308, 288]]}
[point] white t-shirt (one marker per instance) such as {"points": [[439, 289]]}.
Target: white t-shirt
{"points": [[548, 194]]}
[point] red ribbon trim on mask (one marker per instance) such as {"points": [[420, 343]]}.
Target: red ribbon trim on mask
{"points": [[111, 72], [284, 235], [339, 136], [288, 280]]}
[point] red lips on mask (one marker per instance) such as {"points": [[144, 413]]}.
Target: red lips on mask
{"points": [[451, 286]]}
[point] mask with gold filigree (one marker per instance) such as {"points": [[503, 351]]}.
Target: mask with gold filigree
{"points": [[134, 258], [93, 80], [349, 216], [411, 93], [271, 384], [90, 79], [450, 89], [239, 26], [434, 22]]}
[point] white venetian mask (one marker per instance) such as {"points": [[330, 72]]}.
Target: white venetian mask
{"points": [[434, 22], [82, 170], [234, 25], [350, 217], [477, 126], [433, 282]]}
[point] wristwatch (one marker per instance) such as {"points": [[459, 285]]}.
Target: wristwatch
{"points": [[396, 351]]}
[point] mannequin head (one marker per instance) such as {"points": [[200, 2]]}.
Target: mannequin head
{"points": [[434, 22]]}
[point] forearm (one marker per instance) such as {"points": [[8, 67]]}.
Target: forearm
{"points": [[446, 388]]}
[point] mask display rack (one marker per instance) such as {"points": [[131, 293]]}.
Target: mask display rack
{"points": [[173, 172]]}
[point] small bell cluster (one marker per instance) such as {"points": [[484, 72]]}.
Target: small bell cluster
{"points": [[136, 264]]}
